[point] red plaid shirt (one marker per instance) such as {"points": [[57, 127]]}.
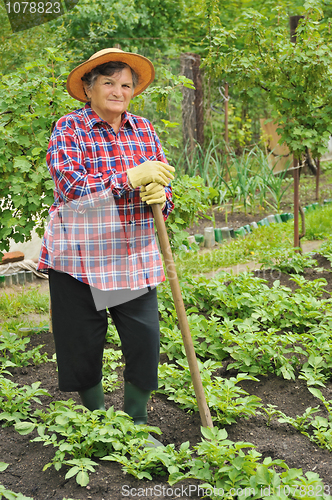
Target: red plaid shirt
{"points": [[100, 232]]}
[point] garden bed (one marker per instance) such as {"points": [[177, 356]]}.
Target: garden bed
{"points": [[238, 218], [278, 440]]}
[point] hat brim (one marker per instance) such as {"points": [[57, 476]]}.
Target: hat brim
{"points": [[140, 64]]}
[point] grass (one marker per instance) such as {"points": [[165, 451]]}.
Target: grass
{"points": [[319, 223], [27, 308]]}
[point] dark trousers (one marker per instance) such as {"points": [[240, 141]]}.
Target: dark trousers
{"points": [[79, 332]]}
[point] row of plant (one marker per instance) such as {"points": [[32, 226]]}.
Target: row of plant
{"points": [[232, 318], [194, 201], [275, 241], [245, 180], [78, 436], [81, 437]]}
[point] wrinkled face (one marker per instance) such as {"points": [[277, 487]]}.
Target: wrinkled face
{"points": [[110, 95]]}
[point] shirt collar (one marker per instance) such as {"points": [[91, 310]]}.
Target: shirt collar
{"points": [[91, 118]]}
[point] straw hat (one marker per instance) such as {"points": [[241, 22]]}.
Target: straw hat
{"points": [[141, 65]]}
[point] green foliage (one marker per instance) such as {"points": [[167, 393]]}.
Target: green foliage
{"points": [[25, 302], [190, 200], [145, 462], [326, 249], [13, 349], [223, 467], [78, 433], [245, 179], [313, 371], [110, 364], [11, 495], [139, 26], [320, 427], [15, 401], [318, 223], [259, 329], [31, 100], [228, 400], [257, 55], [237, 251], [287, 261]]}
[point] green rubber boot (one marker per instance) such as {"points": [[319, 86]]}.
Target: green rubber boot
{"points": [[93, 398], [135, 401]]}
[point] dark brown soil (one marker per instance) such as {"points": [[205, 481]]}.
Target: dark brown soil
{"points": [[278, 440]]}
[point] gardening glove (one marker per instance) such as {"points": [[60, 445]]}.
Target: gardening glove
{"points": [[153, 193], [150, 171]]}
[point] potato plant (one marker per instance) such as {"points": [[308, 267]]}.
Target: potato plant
{"points": [[237, 320]]}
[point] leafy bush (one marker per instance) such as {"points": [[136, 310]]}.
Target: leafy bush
{"points": [[190, 198], [31, 100], [225, 397], [15, 401]]}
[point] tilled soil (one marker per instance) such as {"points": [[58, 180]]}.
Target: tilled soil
{"points": [[277, 440]]}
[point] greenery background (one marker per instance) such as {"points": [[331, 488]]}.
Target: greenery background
{"points": [[244, 42]]}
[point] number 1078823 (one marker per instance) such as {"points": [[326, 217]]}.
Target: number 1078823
{"points": [[33, 7]]}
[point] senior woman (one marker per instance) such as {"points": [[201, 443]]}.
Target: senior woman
{"points": [[99, 248]]}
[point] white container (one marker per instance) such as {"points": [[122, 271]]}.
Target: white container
{"points": [[29, 276], [226, 233], [8, 280], [21, 277], [14, 278], [209, 239], [271, 219]]}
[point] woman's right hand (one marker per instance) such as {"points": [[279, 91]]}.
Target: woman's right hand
{"points": [[150, 171]]}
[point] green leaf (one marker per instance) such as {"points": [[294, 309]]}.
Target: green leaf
{"points": [[3, 466], [82, 478], [262, 475], [22, 163], [72, 472], [24, 428]]}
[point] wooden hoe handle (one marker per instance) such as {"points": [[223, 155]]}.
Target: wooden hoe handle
{"points": [[182, 317]]}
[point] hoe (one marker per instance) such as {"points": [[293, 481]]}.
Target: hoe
{"points": [[182, 317]]}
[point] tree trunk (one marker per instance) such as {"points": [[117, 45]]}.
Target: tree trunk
{"points": [[192, 104]]}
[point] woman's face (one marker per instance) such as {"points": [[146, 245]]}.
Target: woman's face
{"points": [[110, 95]]}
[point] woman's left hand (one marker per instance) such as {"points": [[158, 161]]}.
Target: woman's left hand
{"points": [[153, 193]]}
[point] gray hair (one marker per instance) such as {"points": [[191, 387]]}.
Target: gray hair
{"points": [[107, 69]]}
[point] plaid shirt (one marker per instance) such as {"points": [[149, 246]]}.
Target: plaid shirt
{"points": [[100, 232]]}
